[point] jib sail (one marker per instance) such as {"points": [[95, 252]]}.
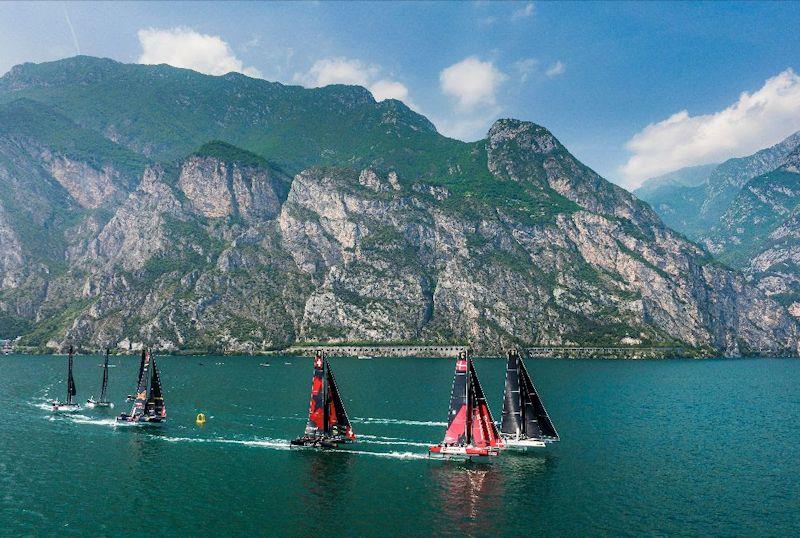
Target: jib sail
{"points": [[483, 429], [155, 401], [71, 390], [338, 423], [536, 419]]}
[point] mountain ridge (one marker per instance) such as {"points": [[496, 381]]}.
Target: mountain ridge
{"points": [[404, 235]]}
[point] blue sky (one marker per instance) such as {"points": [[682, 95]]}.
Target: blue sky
{"points": [[632, 89]]}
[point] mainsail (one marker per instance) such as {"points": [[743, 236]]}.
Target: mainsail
{"points": [[141, 387], [104, 388], [469, 421], [71, 391], [524, 415]]}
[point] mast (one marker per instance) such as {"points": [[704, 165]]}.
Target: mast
{"points": [[469, 396], [71, 391], [326, 415], [104, 388]]}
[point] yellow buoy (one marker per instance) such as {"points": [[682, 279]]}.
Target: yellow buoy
{"points": [[201, 419]]}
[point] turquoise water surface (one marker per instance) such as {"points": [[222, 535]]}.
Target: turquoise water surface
{"points": [[648, 447]]}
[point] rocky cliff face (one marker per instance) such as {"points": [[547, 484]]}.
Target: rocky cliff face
{"points": [[354, 256], [759, 232], [509, 240]]}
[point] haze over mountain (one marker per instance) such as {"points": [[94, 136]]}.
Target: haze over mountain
{"points": [[155, 204]]}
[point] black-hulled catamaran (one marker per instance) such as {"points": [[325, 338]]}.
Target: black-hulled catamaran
{"points": [[471, 432], [103, 400], [525, 423], [70, 404], [148, 403], [328, 424]]}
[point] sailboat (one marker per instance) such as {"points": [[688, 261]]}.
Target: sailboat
{"points": [[148, 403], [103, 400], [328, 425], [525, 422], [70, 404], [471, 432]]}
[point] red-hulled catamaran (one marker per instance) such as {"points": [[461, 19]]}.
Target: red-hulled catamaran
{"points": [[471, 432], [148, 404], [328, 424]]}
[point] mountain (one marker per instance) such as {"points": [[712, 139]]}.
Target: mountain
{"points": [[677, 196], [758, 233], [225, 213], [694, 208]]}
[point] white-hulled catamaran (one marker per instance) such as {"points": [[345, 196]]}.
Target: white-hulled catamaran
{"points": [[328, 425], [471, 432], [70, 404], [525, 422], [148, 403], [103, 400]]}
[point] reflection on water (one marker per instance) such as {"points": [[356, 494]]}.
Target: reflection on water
{"points": [[471, 496], [325, 483]]}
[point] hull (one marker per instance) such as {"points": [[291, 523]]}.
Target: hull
{"points": [[59, 407], [93, 403], [324, 443], [512, 443], [128, 419], [460, 452]]}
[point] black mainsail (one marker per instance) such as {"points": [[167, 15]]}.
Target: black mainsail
{"points": [[524, 414], [155, 400], [71, 390], [104, 388]]}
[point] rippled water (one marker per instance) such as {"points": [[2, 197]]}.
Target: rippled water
{"points": [[686, 447]]}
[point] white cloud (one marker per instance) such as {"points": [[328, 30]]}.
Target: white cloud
{"points": [[472, 82], [389, 89], [556, 69], [525, 68], [470, 127], [756, 120], [336, 71], [352, 71], [183, 47], [523, 12]]}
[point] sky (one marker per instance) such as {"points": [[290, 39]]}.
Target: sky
{"points": [[633, 90]]}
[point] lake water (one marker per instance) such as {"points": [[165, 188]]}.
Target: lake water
{"points": [[679, 447]]}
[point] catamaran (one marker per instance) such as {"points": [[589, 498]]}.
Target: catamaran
{"points": [[103, 400], [471, 432], [148, 403], [328, 425], [70, 404], [525, 422]]}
